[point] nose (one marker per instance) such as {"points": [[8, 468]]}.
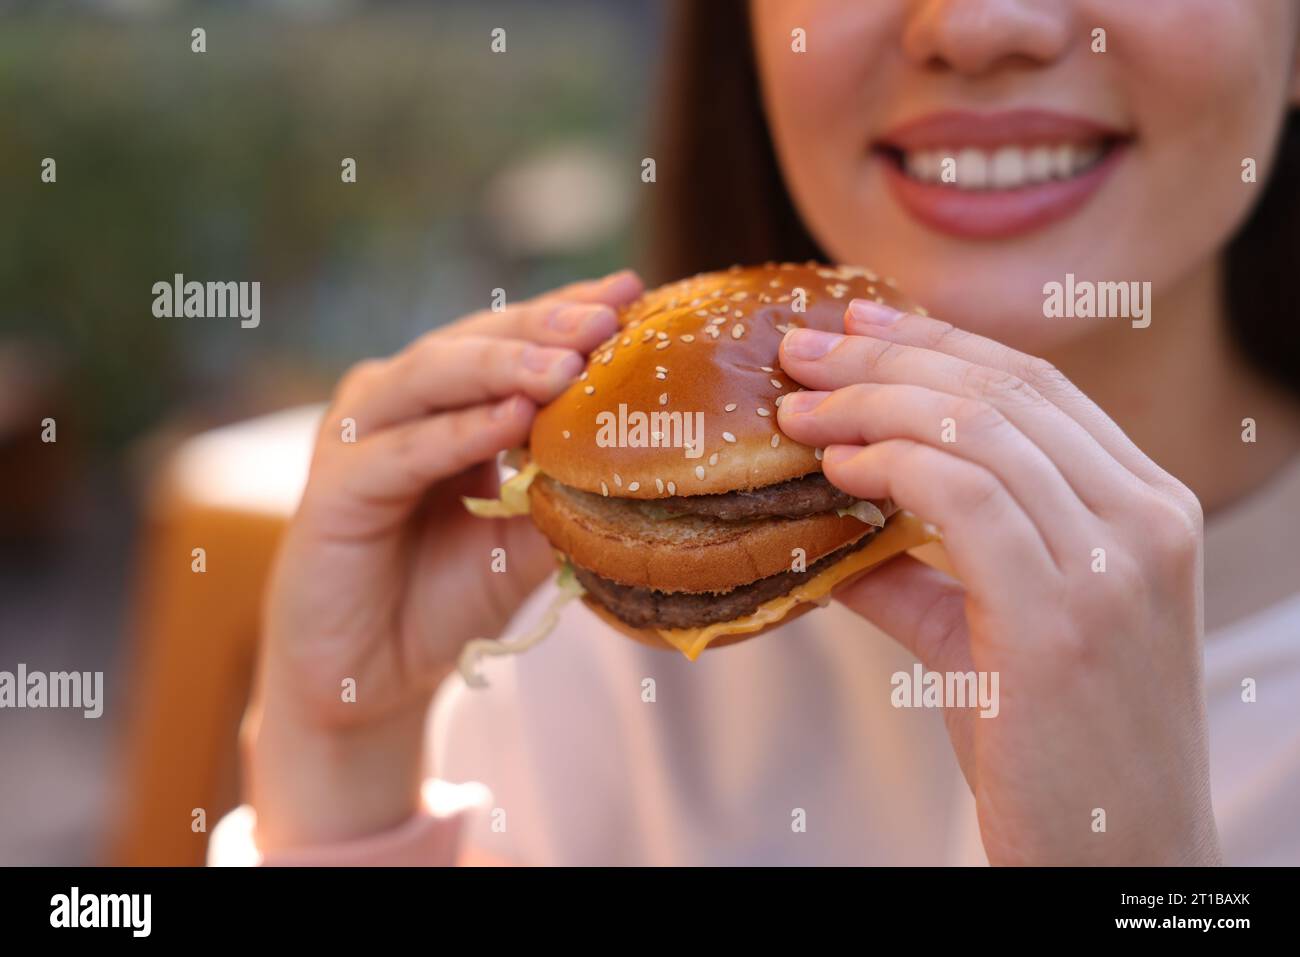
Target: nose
{"points": [[974, 37]]}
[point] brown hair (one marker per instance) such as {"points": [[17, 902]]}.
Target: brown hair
{"points": [[721, 199]]}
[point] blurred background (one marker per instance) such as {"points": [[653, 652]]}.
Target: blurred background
{"points": [[475, 170]]}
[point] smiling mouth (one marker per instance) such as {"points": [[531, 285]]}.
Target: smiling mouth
{"points": [[1008, 167]]}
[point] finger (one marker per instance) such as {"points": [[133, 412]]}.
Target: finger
{"points": [[920, 607], [995, 549], [968, 428], [383, 479], [869, 318], [825, 361], [439, 374], [580, 316]]}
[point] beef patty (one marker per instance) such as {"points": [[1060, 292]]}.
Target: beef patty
{"points": [[647, 608], [796, 498]]}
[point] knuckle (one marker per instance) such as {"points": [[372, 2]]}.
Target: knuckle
{"points": [[883, 352], [977, 489], [976, 415], [999, 387], [1044, 377], [1173, 524]]}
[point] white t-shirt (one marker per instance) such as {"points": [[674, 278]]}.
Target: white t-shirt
{"points": [[786, 749]]}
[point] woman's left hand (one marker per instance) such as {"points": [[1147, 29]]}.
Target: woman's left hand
{"points": [[1079, 567]]}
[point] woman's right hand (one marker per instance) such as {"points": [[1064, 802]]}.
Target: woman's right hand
{"points": [[382, 576]]}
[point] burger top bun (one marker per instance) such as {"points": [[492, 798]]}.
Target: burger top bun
{"points": [[705, 352]]}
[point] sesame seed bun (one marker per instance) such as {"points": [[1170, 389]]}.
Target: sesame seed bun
{"points": [[709, 345]]}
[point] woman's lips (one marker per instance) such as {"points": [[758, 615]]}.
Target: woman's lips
{"points": [[1014, 172]]}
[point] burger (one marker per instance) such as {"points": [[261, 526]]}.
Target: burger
{"points": [[680, 512]]}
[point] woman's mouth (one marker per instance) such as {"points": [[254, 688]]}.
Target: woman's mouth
{"points": [[992, 176]]}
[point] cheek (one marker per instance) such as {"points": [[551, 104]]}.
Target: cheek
{"points": [[818, 110], [1207, 82]]}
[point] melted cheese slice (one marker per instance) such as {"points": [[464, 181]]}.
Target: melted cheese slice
{"points": [[904, 531]]}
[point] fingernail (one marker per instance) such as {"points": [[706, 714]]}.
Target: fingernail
{"points": [[623, 276], [797, 403], [810, 343], [561, 361], [837, 455], [871, 313], [571, 318], [505, 409]]}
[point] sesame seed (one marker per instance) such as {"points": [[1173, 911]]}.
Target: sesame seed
{"points": [[737, 331], [583, 377], [776, 383], [618, 480], [776, 439], [636, 485], [729, 407], [717, 321], [763, 412], [627, 341], [663, 398], [604, 489], [659, 486], [607, 358], [661, 335], [701, 312], [699, 472], [589, 389], [738, 314], [767, 368], [672, 488], [663, 345], [817, 454], [688, 338], [728, 437], [713, 459], [567, 434], [661, 375], [777, 401], [661, 369]]}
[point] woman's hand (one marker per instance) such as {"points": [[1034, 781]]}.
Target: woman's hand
{"points": [[383, 576], [1101, 701]]}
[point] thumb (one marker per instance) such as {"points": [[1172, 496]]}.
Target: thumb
{"points": [[922, 608]]}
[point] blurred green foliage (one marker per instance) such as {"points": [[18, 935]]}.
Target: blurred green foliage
{"points": [[225, 165]]}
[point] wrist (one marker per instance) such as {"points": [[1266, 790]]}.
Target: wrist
{"points": [[311, 785]]}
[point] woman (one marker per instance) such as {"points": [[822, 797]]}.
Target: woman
{"points": [[1096, 139]]}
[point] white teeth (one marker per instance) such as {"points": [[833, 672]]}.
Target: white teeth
{"points": [[1007, 167], [972, 169], [1038, 168]]}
